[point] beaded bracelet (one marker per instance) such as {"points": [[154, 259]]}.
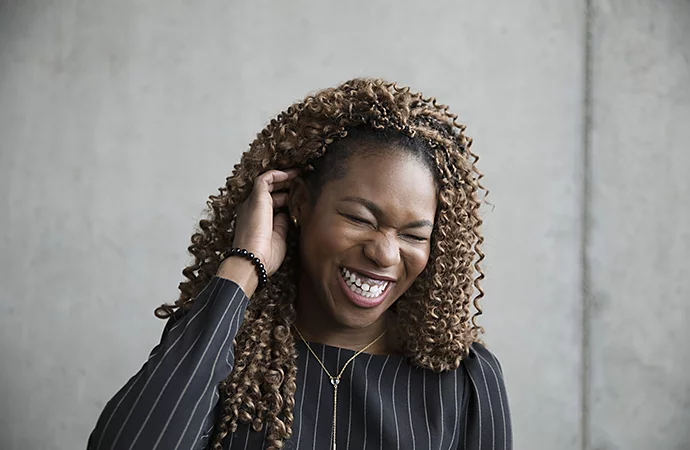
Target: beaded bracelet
{"points": [[258, 265]]}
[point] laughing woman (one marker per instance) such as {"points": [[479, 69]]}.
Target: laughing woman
{"points": [[333, 294]]}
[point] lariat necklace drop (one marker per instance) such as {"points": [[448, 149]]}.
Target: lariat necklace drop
{"points": [[335, 380]]}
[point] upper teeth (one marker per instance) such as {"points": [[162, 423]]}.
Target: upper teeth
{"points": [[364, 286]]}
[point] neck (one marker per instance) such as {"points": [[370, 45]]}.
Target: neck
{"points": [[317, 325]]}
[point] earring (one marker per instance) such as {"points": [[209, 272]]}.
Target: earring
{"points": [[295, 221]]}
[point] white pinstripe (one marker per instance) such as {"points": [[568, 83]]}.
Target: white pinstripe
{"points": [[366, 386], [316, 422], [181, 395], [457, 407], [230, 360], [409, 407], [500, 396], [232, 438], [155, 369], [215, 397], [381, 404], [205, 435], [141, 372], [440, 398], [395, 414], [491, 408], [263, 439], [214, 282], [426, 414], [246, 441], [479, 407], [349, 419], [100, 441], [207, 386], [301, 403], [498, 365], [467, 413]]}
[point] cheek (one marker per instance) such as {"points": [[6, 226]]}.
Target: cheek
{"points": [[323, 240], [416, 262]]}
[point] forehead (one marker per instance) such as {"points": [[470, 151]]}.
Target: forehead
{"points": [[394, 179]]}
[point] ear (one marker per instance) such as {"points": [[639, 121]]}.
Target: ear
{"points": [[299, 199]]}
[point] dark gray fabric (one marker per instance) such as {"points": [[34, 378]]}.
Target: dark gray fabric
{"points": [[383, 401]]}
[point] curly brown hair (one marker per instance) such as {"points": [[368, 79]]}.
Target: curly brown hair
{"points": [[436, 317]]}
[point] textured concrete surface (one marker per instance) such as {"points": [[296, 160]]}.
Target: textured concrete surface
{"points": [[639, 251], [118, 119]]}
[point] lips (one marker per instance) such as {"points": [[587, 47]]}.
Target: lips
{"points": [[363, 291]]}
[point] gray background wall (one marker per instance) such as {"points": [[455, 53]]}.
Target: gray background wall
{"points": [[119, 118]]}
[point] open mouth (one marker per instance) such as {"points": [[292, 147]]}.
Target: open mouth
{"points": [[363, 286], [362, 290]]}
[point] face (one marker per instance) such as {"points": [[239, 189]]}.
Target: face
{"points": [[367, 236]]}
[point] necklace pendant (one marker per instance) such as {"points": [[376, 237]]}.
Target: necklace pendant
{"points": [[335, 381]]}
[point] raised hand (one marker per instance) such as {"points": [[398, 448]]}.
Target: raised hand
{"points": [[259, 230]]}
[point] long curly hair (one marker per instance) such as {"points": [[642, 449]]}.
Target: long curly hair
{"points": [[436, 317]]}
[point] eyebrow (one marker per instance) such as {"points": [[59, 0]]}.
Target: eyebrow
{"points": [[378, 212]]}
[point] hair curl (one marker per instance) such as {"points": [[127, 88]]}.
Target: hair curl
{"points": [[436, 316]]}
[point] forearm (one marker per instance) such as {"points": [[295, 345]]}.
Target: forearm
{"points": [[170, 402]]}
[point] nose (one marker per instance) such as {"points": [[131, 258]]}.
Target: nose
{"points": [[383, 250]]}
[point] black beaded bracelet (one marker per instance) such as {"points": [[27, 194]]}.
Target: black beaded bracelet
{"points": [[258, 265]]}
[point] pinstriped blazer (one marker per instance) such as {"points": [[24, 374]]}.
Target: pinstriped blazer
{"points": [[383, 401]]}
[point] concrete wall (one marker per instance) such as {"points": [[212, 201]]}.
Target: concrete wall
{"points": [[638, 243], [118, 119]]}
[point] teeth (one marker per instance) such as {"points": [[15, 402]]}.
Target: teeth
{"points": [[364, 289]]}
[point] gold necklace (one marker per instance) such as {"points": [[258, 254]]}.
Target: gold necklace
{"points": [[335, 380]]}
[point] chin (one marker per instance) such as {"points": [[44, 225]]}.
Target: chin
{"points": [[356, 321]]}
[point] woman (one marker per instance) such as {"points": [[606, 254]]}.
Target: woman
{"points": [[330, 303]]}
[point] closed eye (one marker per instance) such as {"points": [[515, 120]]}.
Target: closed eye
{"points": [[356, 219], [415, 238]]}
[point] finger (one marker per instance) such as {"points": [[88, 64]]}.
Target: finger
{"points": [[281, 225], [268, 181], [282, 186], [280, 199]]}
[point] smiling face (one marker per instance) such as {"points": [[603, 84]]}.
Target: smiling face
{"points": [[366, 238]]}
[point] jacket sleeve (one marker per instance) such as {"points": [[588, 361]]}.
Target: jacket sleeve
{"points": [[170, 403], [486, 423]]}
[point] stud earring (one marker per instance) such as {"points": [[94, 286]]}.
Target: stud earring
{"points": [[295, 221]]}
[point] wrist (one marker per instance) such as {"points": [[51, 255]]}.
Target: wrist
{"points": [[241, 272], [245, 269]]}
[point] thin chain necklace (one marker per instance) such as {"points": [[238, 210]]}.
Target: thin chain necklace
{"points": [[335, 380]]}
